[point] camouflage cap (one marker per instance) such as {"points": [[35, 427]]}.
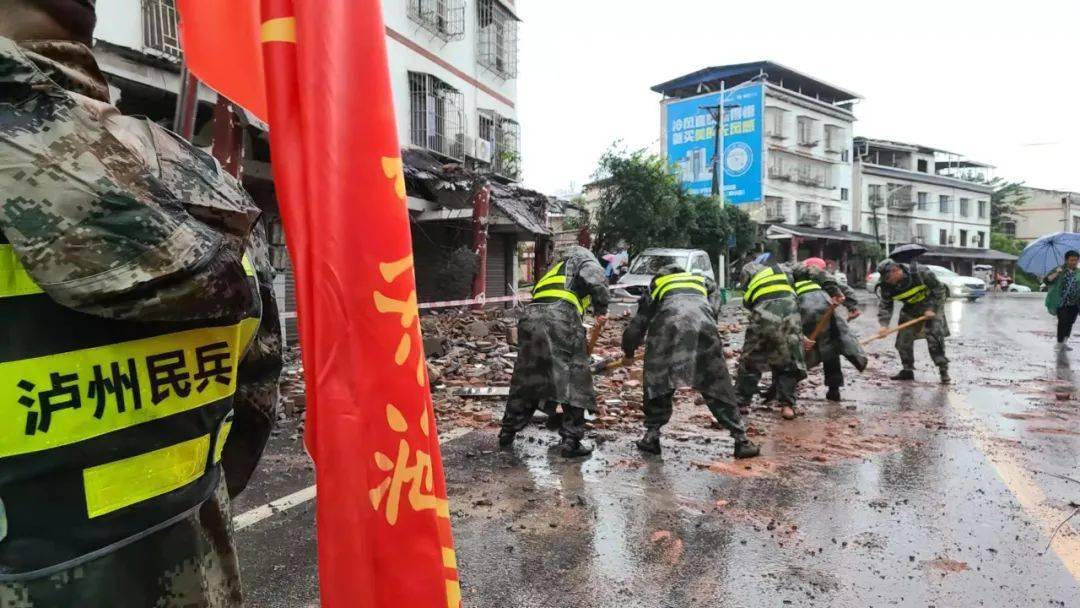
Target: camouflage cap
{"points": [[886, 266]]}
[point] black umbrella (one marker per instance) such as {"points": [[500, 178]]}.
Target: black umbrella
{"points": [[907, 253]]}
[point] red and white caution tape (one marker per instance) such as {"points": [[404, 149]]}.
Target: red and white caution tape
{"points": [[479, 300]]}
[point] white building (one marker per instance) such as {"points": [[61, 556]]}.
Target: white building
{"points": [[805, 129], [453, 69], [907, 193]]}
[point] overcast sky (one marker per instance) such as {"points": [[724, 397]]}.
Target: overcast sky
{"points": [[1000, 85]]}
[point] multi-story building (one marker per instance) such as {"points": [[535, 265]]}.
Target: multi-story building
{"points": [[794, 170], [1041, 211], [907, 193], [453, 70]]}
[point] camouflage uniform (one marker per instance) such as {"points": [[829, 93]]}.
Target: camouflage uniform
{"points": [[115, 217], [773, 335], [933, 331], [835, 340], [683, 348], [552, 365]]}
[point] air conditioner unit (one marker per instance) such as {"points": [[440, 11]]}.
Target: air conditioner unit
{"points": [[483, 150], [470, 146], [952, 239]]}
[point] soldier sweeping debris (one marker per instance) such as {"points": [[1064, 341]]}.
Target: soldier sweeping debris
{"points": [[138, 337], [552, 367], [683, 349], [921, 294], [831, 336], [774, 339]]}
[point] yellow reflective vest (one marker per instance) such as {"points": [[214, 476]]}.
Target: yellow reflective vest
{"points": [[552, 287], [768, 284], [112, 429], [680, 282]]}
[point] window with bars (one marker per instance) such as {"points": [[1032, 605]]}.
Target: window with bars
{"points": [[965, 206], [444, 18], [504, 135], [160, 29], [924, 201], [982, 209], [944, 204], [497, 42], [437, 115]]}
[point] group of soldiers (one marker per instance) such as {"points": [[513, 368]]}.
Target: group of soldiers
{"points": [[793, 325]]}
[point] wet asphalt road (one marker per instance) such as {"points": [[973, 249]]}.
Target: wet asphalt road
{"points": [[908, 494]]}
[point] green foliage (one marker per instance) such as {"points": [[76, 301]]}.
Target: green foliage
{"points": [[1007, 196], [644, 205], [1007, 244], [871, 251]]}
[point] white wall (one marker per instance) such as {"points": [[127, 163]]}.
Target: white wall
{"points": [[461, 54], [840, 171], [119, 22], [952, 222]]}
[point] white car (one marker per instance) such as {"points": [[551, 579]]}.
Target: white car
{"points": [[956, 286], [636, 281], [1014, 288]]}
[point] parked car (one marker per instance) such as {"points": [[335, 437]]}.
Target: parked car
{"points": [[956, 286], [646, 264]]}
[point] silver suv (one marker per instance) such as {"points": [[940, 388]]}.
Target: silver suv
{"points": [[646, 264]]}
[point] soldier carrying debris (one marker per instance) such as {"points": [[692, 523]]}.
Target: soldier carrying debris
{"points": [[683, 349], [773, 339], [921, 293], [553, 366], [835, 338]]}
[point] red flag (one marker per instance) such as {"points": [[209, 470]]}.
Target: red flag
{"points": [[382, 514], [221, 47]]}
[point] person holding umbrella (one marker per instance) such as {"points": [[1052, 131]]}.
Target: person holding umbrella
{"points": [[1063, 299]]}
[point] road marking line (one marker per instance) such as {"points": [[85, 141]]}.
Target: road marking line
{"points": [[1066, 545], [258, 514]]}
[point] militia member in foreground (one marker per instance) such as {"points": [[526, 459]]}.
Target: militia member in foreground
{"points": [[836, 339], [773, 339], [683, 349], [920, 293], [139, 381], [552, 367]]}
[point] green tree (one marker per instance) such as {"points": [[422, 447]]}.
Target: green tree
{"points": [[639, 202], [644, 204], [1004, 200]]}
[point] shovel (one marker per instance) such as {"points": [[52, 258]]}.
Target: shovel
{"points": [[910, 323], [822, 323], [608, 364]]}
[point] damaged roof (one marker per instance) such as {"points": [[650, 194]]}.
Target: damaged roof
{"points": [[452, 186]]}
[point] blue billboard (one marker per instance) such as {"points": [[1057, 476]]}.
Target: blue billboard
{"points": [[691, 133]]}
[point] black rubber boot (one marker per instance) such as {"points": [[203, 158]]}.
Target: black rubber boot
{"points": [[554, 421], [572, 448], [744, 448], [650, 442], [905, 374], [945, 379], [769, 394], [833, 394], [506, 439]]}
